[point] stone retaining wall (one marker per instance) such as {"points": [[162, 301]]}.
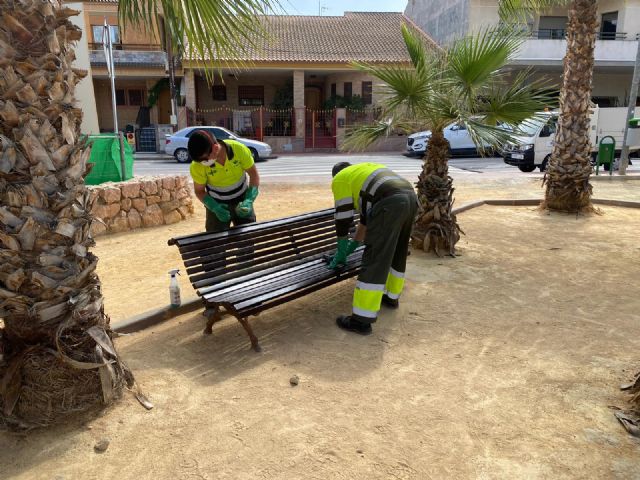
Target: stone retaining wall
{"points": [[139, 203]]}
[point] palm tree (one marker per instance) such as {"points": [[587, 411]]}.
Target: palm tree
{"points": [[56, 352], [567, 176], [465, 84]]}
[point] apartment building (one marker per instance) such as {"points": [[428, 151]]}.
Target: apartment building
{"points": [[140, 66], [544, 50]]}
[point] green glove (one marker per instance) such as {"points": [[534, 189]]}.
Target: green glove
{"points": [[245, 207], [340, 258], [353, 245], [221, 210]]}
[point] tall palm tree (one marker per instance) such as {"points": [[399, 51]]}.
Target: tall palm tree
{"points": [[56, 352], [465, 84], [567, 176]]}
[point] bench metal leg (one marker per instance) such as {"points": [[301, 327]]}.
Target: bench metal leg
{"points": [[254, 340], [213, 315]]}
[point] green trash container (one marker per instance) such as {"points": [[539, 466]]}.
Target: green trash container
{"points": [[606, 153], [105, 156]]}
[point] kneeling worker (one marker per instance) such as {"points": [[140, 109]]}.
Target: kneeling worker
{"points": [[388, 205], [219, 170]]}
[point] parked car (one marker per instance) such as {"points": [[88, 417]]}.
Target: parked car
{"points": [[176, 144], [535, 145], [457, 135]]}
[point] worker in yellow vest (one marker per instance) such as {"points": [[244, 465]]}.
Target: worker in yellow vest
{"points": [[388, 205], [225, 179]]}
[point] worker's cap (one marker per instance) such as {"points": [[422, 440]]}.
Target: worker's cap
{"points": [[338, 167]]}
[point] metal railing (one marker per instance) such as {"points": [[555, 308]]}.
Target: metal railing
{"points": [[147, 47], [255, 123], [561, 33]]}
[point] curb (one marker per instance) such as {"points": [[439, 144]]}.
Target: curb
{"points": [[615, 178], [155, 316], [532, 202], [159, 315]]}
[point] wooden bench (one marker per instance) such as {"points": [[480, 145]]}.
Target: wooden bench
{"points": [[251, 268]]}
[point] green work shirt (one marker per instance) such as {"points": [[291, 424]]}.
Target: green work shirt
{"points": [[226, 182]]}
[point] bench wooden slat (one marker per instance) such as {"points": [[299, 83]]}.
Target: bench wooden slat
{"points": [[207, 281], [290, 289], [255, 276], [317, 270], [248, 259], [187, 241], [256, 237], [210, 254]]}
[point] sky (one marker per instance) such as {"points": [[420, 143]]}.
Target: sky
{"points": [[338, 7]]}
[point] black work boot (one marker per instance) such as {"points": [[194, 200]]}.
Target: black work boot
{"points": [[390, 302], [346, 322]]}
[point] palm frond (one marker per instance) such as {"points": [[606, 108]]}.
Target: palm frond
{"points": [[208, 31], [514, 102], [360, 137], [416, 48], [474, 60]]}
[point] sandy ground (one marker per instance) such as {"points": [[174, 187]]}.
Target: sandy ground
{"points": [[500, 363]]}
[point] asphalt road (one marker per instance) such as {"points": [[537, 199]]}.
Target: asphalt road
{"points": [[313, 168]]}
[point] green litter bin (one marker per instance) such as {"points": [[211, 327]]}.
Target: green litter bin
{"points": [[105, 156], [606, 153]]}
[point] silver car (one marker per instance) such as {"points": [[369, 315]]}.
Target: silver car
{"points": [[176, 144]]}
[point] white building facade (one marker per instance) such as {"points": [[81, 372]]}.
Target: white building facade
{"points": [[616, 47]]}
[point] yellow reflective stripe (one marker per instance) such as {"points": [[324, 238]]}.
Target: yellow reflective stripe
{"points": [[394, 285], [367, 301]]}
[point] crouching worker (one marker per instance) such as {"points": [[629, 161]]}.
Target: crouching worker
{"points": [[388, 205], [225, 179]]}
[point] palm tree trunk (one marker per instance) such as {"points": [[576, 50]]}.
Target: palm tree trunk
{"points": [[436, 229], [56, 353], [567, 177]]}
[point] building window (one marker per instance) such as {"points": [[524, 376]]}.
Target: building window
{"points": [[348, 90], [367, 92], [333, 90], [219, 93], [609, 26], [552, 28], [98, 32], [251, 95], [121, 97], [136, 97]]}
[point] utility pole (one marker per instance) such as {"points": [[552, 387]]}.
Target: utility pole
{"points": [[633, 94], [168, 46], [107, 45]]}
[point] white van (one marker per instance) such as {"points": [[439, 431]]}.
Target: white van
{"points": [[456, 133], [533, 148]]}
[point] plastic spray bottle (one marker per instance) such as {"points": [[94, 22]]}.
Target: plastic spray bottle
{"points": [[174, 288]]}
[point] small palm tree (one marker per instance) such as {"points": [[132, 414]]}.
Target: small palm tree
{"points": [[56, 352], [465, 84], [567, 176]]}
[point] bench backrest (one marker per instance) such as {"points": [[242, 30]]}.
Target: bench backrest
{"points": [[263, 247]]}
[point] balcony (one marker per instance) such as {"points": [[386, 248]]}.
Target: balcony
{"points": [[129, 55], [560, 34], [548, 48]]}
